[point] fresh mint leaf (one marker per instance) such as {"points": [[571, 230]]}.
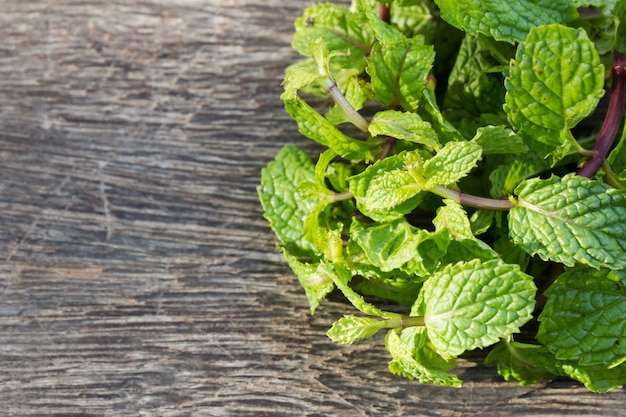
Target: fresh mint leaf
{"points": [[515, 168], [453, 217], [598, 379], [555, 81], [298, 76], [617, 157], [605, 5], [350, 329], [390, 189], [481, 220], [424, 352], [316, 127], [620, 31], [399, 285], [413, 17], [385, 191], [323, 234], [444, 128], [583, 319], [400, 288], [507, 21], [499, 140], [571, 220], [405, 364], [473, 304], [316, 286], [453, 162], [388, 246], [277, 192], [522, 362], [466, 250], [476, 82], [431, 248], [404, 125], [398, 68], [601, 31], [344, 31], [341, 276]]}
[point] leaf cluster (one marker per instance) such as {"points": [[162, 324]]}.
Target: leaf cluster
{"points": [[456, 179]]}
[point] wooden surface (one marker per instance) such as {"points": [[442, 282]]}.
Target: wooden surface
{"points": [[137, 275]]}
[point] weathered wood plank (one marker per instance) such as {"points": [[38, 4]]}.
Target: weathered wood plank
{"points": [[138, 276]]}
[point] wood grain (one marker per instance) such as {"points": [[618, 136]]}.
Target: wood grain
{"points": [[137, 275]]}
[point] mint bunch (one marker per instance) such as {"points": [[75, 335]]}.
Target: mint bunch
{"points": [[462, 171]]}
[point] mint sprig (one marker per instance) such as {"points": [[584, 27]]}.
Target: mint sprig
{"points": [[457, 198]]}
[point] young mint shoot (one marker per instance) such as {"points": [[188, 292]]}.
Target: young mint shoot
{"points": [[472, 170]]}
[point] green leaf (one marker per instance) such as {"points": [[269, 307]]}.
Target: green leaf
{"points": [[507, 21], [344, 31], [617, 157], [398, 69], [596, 378], [620, 31], [338, 174], [583, 319], [277, 192], [390, 189], [473, 304], [453, 217], [316, 286], [555, 81], [499, 140], [383, 191], [481, 220], [316, 127], [606, 6], [397, 285], [341, 276], [297, 77], [350, 329], [404, 125], [476, 82], [416, 338], [443, 127], [413, 17], [453, 162], [511, 253], [405, 364], [324, 234], [401, 288], [388, 245], [569, 220], [466, 250], [515, 168], [601, 30], [522, 362]]}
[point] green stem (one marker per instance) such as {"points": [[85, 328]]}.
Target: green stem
{"points": [[470, 200], [345, 105], [610, 177], [346, 195], [404, 322]]}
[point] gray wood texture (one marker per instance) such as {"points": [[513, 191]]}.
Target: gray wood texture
{"points": [[137, 275]]}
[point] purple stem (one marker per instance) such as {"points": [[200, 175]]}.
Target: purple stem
{"points": [[475, 201], [383, 12], [612, 120]]}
